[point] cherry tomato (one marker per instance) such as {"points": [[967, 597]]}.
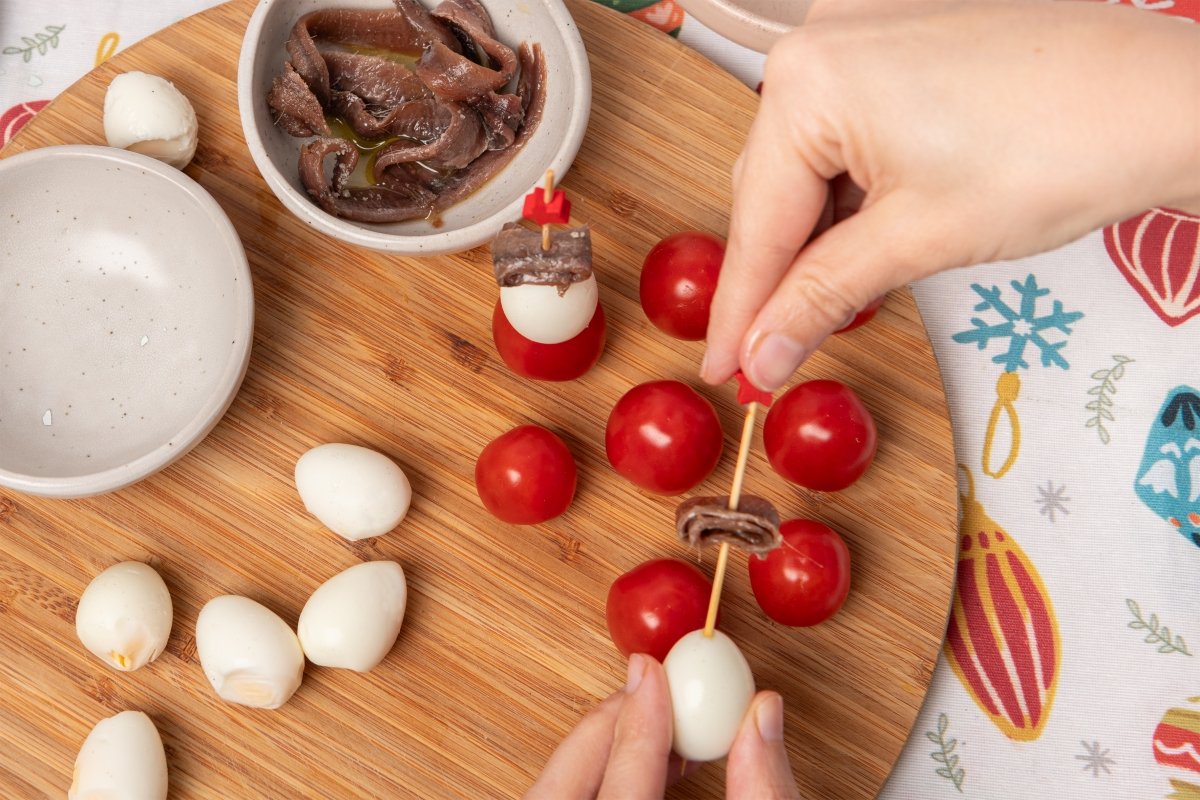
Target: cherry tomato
{"points": [[663, 436], [820, 435], [654, 604], [526, 476], [565, 361], [805, 580], [864, 316], [679, 276]]}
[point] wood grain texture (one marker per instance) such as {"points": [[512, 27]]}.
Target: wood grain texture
{"points": [[504, 645]]}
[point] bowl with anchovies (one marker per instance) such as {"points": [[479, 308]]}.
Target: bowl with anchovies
{"points": [[409, 126]]}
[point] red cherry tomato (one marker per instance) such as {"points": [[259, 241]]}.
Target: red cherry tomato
{"points": [[654, 604], [679, 277], [820, 435], [805, 580], [526, 476], [663, 436], [864, 316], [565, 361]]}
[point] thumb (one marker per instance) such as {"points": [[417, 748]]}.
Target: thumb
{"points": [[859, 259], [637, 763], [758, 762]]}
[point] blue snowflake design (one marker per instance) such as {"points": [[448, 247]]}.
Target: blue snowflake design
{"points": [[1020, 326]]}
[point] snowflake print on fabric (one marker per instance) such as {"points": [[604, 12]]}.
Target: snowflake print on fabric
{"points": [[1019, 326], [1168, 480], [1095, 759], [1051, 500], [1176, 744]]}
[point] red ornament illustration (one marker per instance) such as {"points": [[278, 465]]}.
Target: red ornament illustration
{"points": [[15, 118], [666, 15], [1158, 252], [1177, 737], [1189, 9], [1003, 640]]}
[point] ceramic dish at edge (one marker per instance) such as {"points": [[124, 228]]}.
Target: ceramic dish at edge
{"points": [[126, 318], [756, 24]]}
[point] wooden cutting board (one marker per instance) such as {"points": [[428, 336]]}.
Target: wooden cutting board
{"points": [[504, 646]]}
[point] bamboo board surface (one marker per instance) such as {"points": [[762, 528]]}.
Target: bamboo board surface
{"points": [[504, 646]]}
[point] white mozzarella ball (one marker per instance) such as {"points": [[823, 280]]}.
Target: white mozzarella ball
{"points": [[711, 689], [148, 115], [124, 615], [249, 655], [355, 492], [121, 759], [540, 314], [352, 620]]}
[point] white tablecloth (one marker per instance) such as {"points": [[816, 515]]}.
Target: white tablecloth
{"points": [[1071, 666]]}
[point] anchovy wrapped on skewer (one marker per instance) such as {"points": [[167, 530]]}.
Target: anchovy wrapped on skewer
{"points": [[753, 526]]}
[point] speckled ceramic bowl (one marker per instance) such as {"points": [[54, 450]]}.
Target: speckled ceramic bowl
{"points": [[478, 217], [126, 316], [756, 24]]}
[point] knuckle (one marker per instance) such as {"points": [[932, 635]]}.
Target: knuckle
{"points": [[820, 299]]}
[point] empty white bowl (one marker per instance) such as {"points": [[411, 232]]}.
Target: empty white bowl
{"points": [[126, 318], [479, 217]]}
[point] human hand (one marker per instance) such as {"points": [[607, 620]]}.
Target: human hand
{"points": [[977, 131], [622, 748]]}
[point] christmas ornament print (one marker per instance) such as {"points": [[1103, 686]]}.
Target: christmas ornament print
{"points": [[666, 15], [15, 118], [1158, 252], [1188, 9], [1003, 641], [1168, 480], [1019, 325], [1176, 744]]}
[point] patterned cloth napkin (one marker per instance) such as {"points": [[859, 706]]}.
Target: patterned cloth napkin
{"points": [[1071, 665]]}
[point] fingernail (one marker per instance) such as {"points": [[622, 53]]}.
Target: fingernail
{"points": [[769, 718], [637, 669], [704, 366], [774, 361]]}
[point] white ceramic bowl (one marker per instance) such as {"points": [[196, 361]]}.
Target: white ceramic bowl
{"points": [[756, 24], [126, 318], [479, 217]]}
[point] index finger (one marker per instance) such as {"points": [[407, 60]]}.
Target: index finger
{"points": [[777, 200], [637, 766], [577, 766]]}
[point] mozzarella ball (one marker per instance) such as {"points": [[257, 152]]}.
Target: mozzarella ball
{"points": [[249, 655], [711, 689], [540, 314], [124, 616], [121, 759], [148, 115], [357, 493], [352, 620]]}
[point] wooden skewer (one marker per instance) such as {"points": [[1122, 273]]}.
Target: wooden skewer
{"points": [[735, 495], [547, 196]]}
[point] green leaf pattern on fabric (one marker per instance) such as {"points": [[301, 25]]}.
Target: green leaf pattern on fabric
{"points": [[41, 43]]}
